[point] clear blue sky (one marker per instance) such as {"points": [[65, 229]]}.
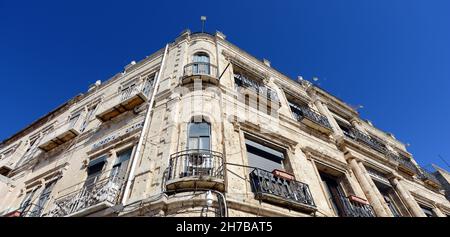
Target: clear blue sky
{"points": [[392, 57]]}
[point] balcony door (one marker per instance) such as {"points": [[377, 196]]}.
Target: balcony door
{"points": [[199, 161], [120, 167], [43, 199], [199, 136], [94, 172], [334, 192], [201, 63]]}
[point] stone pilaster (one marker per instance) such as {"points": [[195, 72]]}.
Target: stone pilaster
{"points": [[437, 211], [406, 196], [367, 188], [376, 190], [337, 132]]}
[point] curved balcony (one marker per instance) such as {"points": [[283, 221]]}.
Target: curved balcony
{"points": [[280, 190], [204, 71], [195, 169]]}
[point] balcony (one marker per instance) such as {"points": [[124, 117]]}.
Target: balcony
{"points": [[311, 118], [281, 191], [61, 134], [404, 163], [355, 207], [429, 178], [5, 166], [123, 101], [195, 169], [200, 70], [87, 199], [263, 92], [367, 140]]}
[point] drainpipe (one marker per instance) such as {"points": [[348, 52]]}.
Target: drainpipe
{"points": [[144, 128]]}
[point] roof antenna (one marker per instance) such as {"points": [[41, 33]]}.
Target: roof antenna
{"points": [[203, 19]]}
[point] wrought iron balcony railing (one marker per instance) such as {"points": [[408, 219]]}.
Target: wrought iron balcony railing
{"points": [[304, 114], [353, 208], [99, 194], [405, 163], [369, 141], [429, 178], [272, 188], [63, 133], [124, 100], [200, 68], [256, 87], [195, 168]]}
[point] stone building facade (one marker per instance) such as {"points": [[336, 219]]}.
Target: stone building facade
{"points": [[202, 128]]}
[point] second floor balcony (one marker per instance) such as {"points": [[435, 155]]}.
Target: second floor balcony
{"points": [[204, 71], [125, 100], [281, 191], [195, 169], [311, 118], [88, 197], [62, 134]]}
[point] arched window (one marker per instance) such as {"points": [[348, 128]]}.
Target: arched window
{"points": [[199, 136], [201, 63]]}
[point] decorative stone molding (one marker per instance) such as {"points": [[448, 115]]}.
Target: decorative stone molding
{"points": [[324, 158]]}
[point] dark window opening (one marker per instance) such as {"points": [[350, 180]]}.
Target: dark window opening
{"points": [[263, 156], [334, 192]]}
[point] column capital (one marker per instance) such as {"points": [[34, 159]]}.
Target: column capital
{"points": [[354, 120], [394, 176]]}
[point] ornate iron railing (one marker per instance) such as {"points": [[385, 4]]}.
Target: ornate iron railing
{"points": [[200, 68], [31, 210], [403, 161], [370, 141], [196, 163], [359, 136], [301, 112], [256, 87], [266, 183], [426, 175], [356, 209], [102, 191]]}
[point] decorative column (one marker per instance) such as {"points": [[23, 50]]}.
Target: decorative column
{"points": [[437, 211], [407, 198], [337, 132], [356, 124], [376, 190], [366, 187]]}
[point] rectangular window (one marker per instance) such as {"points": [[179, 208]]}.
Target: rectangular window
{"points": [[26, 202], [43, 199], [262, 156], [90, 113], [428, 211], [94, 171], [334, 192], [119, 169]]}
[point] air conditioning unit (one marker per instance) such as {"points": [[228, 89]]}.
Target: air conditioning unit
{"points": [[200, 164]]}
